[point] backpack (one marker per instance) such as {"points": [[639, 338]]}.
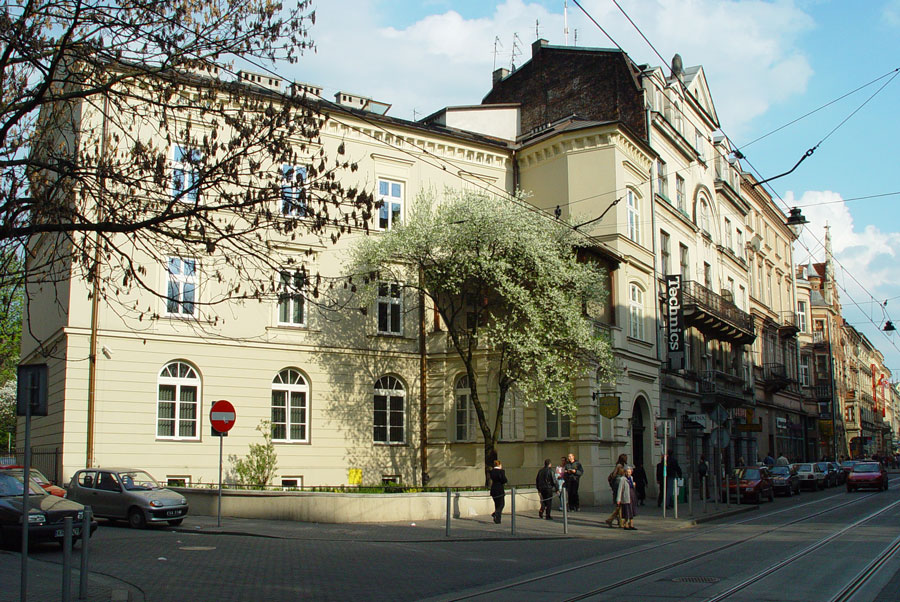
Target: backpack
{"points": [[613, 476]]}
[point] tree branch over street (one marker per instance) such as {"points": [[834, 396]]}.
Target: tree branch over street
{"points": [[512, 292]]}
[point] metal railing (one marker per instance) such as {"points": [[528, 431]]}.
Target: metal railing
{"points": [[716, 382], [818, 336], [694, 293]]}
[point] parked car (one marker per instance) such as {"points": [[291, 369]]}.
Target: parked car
{"points": [[847, 466], [38, 478], [811, 476], [785, 480], [127, 494], [840, 475], [749, 485], [831, 479], [45, 513], [867, 474]]}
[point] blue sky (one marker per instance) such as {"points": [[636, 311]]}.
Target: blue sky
{"points": [[767, 63]]}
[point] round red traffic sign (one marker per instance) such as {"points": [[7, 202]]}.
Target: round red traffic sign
{"points": [[222, 415]]}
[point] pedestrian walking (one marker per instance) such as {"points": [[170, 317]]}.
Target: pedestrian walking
{"points": [[673, 471], [769, 460], [615, 481], [498, 480], [782, 461], [546, 484], [640, 482], [561, 480], [573, 474], [625, 499]]}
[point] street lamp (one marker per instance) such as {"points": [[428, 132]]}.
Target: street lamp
{"points": [[889, 326], [796, 221]]}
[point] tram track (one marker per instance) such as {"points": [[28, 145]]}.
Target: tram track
{"points": [[864, 576], [674, 564]]}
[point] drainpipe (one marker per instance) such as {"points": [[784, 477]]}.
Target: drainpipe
{"points": [[95, 299], [423, 382]]}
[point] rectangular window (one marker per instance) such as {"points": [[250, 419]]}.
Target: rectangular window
{"points": [[636, 312], [664, 252], [465, 417], [181, 287], [685, 263], [289, 414], [178, 481], [739, 249], [700, 144], [293, 190], [512, 423], [389, 308], [291, 304], [728, 234], [769, 285], [679, 193], [390, 195], [186, 174], [707, 275], [559, 425], [634, 217], [389, 418], [804, 370], [742, 294], [662, 181], [801, 315], [290, 482]]}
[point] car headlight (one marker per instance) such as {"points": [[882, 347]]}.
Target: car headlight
{"points": [[156, 503], [36, 518], [183, 501]]}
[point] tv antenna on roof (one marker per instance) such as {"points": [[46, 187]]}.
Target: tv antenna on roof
{"points": [[496, 44], [566, 20], [516, 50], [537, 29]]}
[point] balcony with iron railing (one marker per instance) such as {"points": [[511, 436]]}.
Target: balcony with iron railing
{"points": [[821, 392], [818, 337], [776, 378], [788, 324], [724, 388], [714, 315]]}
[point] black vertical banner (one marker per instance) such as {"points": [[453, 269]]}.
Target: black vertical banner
{"points": [[675, 322]]}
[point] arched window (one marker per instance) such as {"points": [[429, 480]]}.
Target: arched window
{"points": [[465, 412], [512, 424], [634, 217], [177, 402], [703, 217], [636, 311], [290, 407], [390, 410]]}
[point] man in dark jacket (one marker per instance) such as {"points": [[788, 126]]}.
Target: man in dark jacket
{"points": [[546, 486], [573, 474], [673, 471]]}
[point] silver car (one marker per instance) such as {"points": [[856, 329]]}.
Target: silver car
{"points": [[127, 494]]}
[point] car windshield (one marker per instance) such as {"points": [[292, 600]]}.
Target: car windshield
{"points": [[849, 463], [871, 467], [12, 485], [822, 465], [781, 471], [748, 474], [804, 467], [138, 480]]}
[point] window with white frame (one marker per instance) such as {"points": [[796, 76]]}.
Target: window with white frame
{"points": [[728, 244], [390, 411], [739, 249], [186, 174], [685, 262], [700, 144], [293, 190], [559, 425], [679, 193], [465, 411], [512, 423], [390, 195], [662, 181], [704, 215], [769, 285], [707, 275], [664, 252], [801, 315], [634, 217], [177, 402], [291, 303], [290, 407], [636, 311], [181, 286], [804, 370], [389, 308]]}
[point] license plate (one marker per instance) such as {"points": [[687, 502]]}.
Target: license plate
{"points": [[62, 532], [173, 512]]}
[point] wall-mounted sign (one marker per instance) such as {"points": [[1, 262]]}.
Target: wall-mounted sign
{"points": [[696, 421], [675, 322], [781, 423], [609, 406]]}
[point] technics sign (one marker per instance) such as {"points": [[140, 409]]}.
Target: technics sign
{"points": [[222, 415], [675, 321]]}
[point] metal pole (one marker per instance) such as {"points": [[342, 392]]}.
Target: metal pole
{"points": [[727, 490], [219, 509], [565, 505], [23, 583], [704, 480], [67, 560], [448, 513], [512, 509], [85, 538], [690, 496], [675, 496], [665, 479]]}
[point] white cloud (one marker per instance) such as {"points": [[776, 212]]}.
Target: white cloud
{"points": [[748, 48], [892, 12]]}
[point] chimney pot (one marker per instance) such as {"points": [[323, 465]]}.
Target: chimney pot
{"points": [[499, 74], [537, 45]]}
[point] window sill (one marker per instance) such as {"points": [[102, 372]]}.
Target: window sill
{"points": [[290, 442], [178, 439], [640, 342], [391, 443]]}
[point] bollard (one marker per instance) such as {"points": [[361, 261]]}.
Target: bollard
{"points": [[67, 559], [705, 484], [690, 496], [85, 538], [565, 505], [718, 493], [448, 512], [727, 490], [737, 485], [675, 497], [512, 510]]}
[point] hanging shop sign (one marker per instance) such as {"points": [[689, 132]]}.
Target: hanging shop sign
{"points": [[675, 322], [609, 406]]}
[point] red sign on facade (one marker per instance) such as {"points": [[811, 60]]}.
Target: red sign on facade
{"points": [[222, 416]]}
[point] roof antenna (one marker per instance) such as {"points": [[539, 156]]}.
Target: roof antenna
{"points": [[537, 29], [516, 50], [576, 36], [566, 20], [497, 43]]}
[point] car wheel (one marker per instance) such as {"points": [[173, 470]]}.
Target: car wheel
{"points": [[136, 519], [176, 522]]}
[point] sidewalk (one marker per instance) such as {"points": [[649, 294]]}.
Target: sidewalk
{"points": [[45, 580]]}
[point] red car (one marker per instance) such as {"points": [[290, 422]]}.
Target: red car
{"points": [[750, 484], [867, 474], [38, 478]]}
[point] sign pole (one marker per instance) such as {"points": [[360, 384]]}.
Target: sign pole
{"points": [[219, 509], [221, 418], [23, 585], [665, 503]]}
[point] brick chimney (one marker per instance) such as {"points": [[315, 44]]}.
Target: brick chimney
{"points": [[499, 74]]}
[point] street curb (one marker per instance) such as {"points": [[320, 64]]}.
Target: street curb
{"points": [[725, 514], [535, 537]]}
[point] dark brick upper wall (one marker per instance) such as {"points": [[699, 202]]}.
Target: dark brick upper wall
{"points": [[559, 82]]}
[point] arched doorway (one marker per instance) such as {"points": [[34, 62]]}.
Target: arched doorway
{"points": [[637, 432]]}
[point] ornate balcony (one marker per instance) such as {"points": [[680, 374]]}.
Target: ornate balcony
{"points": [[727, 389], [776, 378], [715, 316], [821, 392], [789, 324]]}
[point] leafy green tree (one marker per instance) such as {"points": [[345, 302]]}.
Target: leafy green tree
{"points": [[506, 281], [7, 414], [258, 468], [10, 314]]}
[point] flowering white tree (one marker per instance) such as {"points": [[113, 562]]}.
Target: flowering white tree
{"points": [[512, 290]]}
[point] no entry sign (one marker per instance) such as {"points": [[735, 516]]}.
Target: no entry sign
{"points": [[222, 415]]}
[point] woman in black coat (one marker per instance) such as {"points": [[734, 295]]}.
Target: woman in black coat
{"points": [[498, 479]]}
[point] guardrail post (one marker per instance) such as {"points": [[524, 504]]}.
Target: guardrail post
{"points": [[565, 509], [448, 512], [512, 510], [67, 559], [690, 496], [85, 538]]}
